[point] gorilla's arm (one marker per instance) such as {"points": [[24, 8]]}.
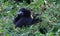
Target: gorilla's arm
{"points": [[23, 22], [16, 19], [19, 15], [19, 23]]}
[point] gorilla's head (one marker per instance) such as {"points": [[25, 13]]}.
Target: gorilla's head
{"points": [[24, 12]]}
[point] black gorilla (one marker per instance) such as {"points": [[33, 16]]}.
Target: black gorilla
{"points": [[27, 1], [24, 18]]}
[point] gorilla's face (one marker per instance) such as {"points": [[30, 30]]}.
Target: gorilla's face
{"points": [[24, 12], [20, 13]]}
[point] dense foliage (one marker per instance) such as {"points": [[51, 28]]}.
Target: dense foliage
{"points": [[50, 17]]}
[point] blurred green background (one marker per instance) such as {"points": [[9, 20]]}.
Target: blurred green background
{"points": [[50, 17]]}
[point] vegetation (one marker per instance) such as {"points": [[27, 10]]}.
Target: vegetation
{"points": [[50, 17]]}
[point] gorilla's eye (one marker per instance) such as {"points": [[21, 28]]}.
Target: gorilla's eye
{"points": [[20, 13]]}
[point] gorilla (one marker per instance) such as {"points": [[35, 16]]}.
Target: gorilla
{"points": [[25, 18]]}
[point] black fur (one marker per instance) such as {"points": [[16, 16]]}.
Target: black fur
{"points": [[24, 18]]}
